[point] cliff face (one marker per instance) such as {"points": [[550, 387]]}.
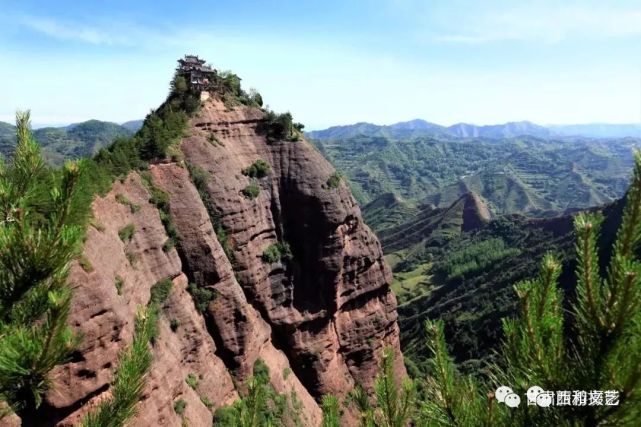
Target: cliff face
{"points": [[324, 314], [475, 212]]}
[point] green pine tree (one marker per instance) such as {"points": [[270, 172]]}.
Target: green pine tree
{"points": [[129, 381], [38, 239], [594, 346], [393, 405], [261, 406], [331, 411], [450, 399]]}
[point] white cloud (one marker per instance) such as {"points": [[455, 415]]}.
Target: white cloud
{"points": [[72, 31], [550, 24]]}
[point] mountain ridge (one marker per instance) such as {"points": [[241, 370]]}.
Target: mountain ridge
{"points": [[468, 130], [530, 175], [469, 212], [73, 141]]}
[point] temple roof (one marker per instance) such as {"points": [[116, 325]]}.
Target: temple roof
{"points": [[192, 59]]}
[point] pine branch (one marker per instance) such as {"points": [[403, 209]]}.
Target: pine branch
{"points": [[331, 413], [587, 227], [129, 382]]}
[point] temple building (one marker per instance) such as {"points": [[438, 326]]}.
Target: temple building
{"points": [[199, 76]]}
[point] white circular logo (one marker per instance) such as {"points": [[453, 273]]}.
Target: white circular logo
{"points": [[532, 393], [512, 400], [501, 392], [544, 400]]}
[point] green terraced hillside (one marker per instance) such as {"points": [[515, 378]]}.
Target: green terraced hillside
{"points": [[387, 210], [538, 177], [466, 276]]}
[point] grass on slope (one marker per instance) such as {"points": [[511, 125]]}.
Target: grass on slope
{"points": [[387, 211], [414, 283]]}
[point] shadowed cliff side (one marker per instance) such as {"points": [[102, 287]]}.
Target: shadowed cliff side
{"points": [[329, 304]]}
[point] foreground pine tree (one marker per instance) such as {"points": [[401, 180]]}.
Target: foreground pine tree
{"points": [[392, 405], [37, 242], [331, 411], [260, 406], [129, 381], [596, 346]]}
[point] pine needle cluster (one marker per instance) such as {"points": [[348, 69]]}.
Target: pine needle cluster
{"points": [[129, 381], [38, 239], [260, 406]]}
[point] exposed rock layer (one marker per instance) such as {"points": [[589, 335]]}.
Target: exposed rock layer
{"points": [[330, 306], [324, 314]]}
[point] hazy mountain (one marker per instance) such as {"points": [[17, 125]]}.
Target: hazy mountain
{"points": [[337, 132], [133, 125], [507, 130], [416, 124], [418, 127], [598, 130], [68, 142], [401, 130]]}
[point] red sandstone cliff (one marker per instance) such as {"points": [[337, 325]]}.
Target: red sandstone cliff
{"points": [[325, 314]]}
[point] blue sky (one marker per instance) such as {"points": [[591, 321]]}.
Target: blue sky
{"points": [[330, 62]]}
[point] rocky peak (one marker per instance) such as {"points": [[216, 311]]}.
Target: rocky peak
{"points": [[329, 305], [475, 211], [297, 279]]}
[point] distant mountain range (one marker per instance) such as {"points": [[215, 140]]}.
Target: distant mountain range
{"points": [[132, 125], [409, 167], [86, 138], [72, 141], [419, 127]]}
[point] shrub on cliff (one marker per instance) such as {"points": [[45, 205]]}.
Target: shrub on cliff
{"points": [[127, 232], [160, 291], [277, 252], [38, 239], [179, 85], [160, 130], [251, 191], [255, 98], [227, 85], [202, 296], [281, 127], [334, 180], [258, 169]]}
